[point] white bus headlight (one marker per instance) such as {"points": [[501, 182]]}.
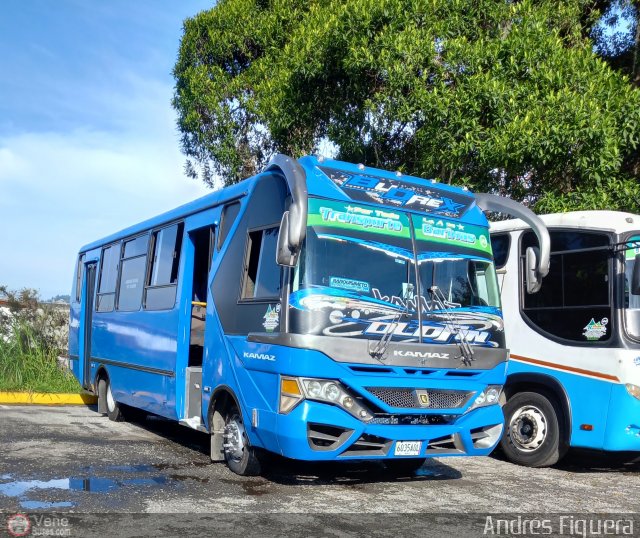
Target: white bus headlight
{"points": [[489, 396], [633, 390], [295, 389]]}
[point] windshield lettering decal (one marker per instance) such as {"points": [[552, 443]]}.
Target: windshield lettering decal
{"points": [[453, 234], [334, 312], [595, 330], [399, 193], [365, 221], [349, 284]]}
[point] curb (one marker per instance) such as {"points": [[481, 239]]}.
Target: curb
{"points": [[42, 398]]}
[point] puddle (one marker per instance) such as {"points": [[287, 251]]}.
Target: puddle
{"points": [[93, 485], [37, 505]]}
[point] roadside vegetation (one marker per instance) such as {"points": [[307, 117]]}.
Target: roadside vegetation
{"points": [[32, 337]]}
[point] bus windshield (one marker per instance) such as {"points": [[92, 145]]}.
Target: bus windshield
{"points": [[631, 301], [356, 276]]}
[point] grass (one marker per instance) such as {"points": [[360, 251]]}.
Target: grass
{"points": [[27, 365]]}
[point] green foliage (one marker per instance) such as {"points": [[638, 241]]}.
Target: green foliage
{"points": [[32, 336], [508, 97], [27, 365]]}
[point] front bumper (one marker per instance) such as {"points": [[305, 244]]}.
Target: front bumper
{"points": [[315, 431]]}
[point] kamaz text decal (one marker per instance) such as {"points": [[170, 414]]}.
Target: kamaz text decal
{"points": [[398, 193]]}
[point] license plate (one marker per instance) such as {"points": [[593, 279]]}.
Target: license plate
{"points": [[408, 448]]}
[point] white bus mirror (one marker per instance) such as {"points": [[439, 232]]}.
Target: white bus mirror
{"points": [[284, 255], [533, 280], [635, 276]]}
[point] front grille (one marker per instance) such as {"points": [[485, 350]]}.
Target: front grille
{"points": [[408, 398]]}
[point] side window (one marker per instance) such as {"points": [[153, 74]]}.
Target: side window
{"points": [[229, 214], [162, 281], [132, 272], [79, 278], [500, 244], [574, 301], [108, 278], [261, 272]]}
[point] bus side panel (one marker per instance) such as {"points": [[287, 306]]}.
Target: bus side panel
{"points": [[588, 397], [144, 342]]}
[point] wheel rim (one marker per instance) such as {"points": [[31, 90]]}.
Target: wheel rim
{"points": [[234, 438], [111, 403], [528, 428]]}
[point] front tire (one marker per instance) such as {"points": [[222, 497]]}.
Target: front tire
{"points": [[114, 411], [240, 456], [533, 434]]}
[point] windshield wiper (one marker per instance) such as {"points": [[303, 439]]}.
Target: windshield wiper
{"points": [[459, 335], [380, 349]]}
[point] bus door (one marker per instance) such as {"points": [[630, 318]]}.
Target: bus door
{"points": [[89, 286]]}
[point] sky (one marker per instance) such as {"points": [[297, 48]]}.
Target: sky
{"points": [[88, 137]]}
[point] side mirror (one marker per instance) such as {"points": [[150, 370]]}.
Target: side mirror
{"points": [[284, 255], [635, 277], [534, 282], [407, 290]]}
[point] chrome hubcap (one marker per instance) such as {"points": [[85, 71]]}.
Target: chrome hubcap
{"points": [[234, 437], [528, 428]]}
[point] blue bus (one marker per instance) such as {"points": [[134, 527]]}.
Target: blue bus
{"points": [[320, 310]]}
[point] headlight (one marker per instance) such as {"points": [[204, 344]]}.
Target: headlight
{"points": [[489, 396], [294, 389], [633, 390]]}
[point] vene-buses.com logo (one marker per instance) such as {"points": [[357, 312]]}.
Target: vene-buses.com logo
{"points": [[18, 525]]}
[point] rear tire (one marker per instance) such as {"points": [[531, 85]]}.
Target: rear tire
{"points": [[240, 456], [404, 467], [114, 411], [533, 434]]}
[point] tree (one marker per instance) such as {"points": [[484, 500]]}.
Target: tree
{"points": [[508, 97]]}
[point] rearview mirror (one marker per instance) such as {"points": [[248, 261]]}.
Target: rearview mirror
{"points": [[635, 277], [284, 255], [534, 282]]}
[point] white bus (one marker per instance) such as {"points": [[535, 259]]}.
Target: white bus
{"points": [[574, 370]]}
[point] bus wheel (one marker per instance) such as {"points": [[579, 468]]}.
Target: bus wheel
{"points": [[404, 466], [114, 412], [532, 434], [240, 456]]}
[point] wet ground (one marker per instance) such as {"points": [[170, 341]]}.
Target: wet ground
{"points": [[71, 459]]}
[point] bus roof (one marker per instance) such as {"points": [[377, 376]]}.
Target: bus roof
{"points": [[613, 221]]}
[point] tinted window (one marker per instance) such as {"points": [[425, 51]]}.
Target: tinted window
{"points": [[500, 246], [574, 301], [79, 278], [163, 273], [109, 269], [108, 278], [262, 273], [132, 272], [229, 214]]}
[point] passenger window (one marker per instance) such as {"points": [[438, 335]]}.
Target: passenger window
{"points": [[79, 278], [134, 265], [163, 272], [500, 245], [262, 273], [108, 278], [229, 215], [574, 301]]}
